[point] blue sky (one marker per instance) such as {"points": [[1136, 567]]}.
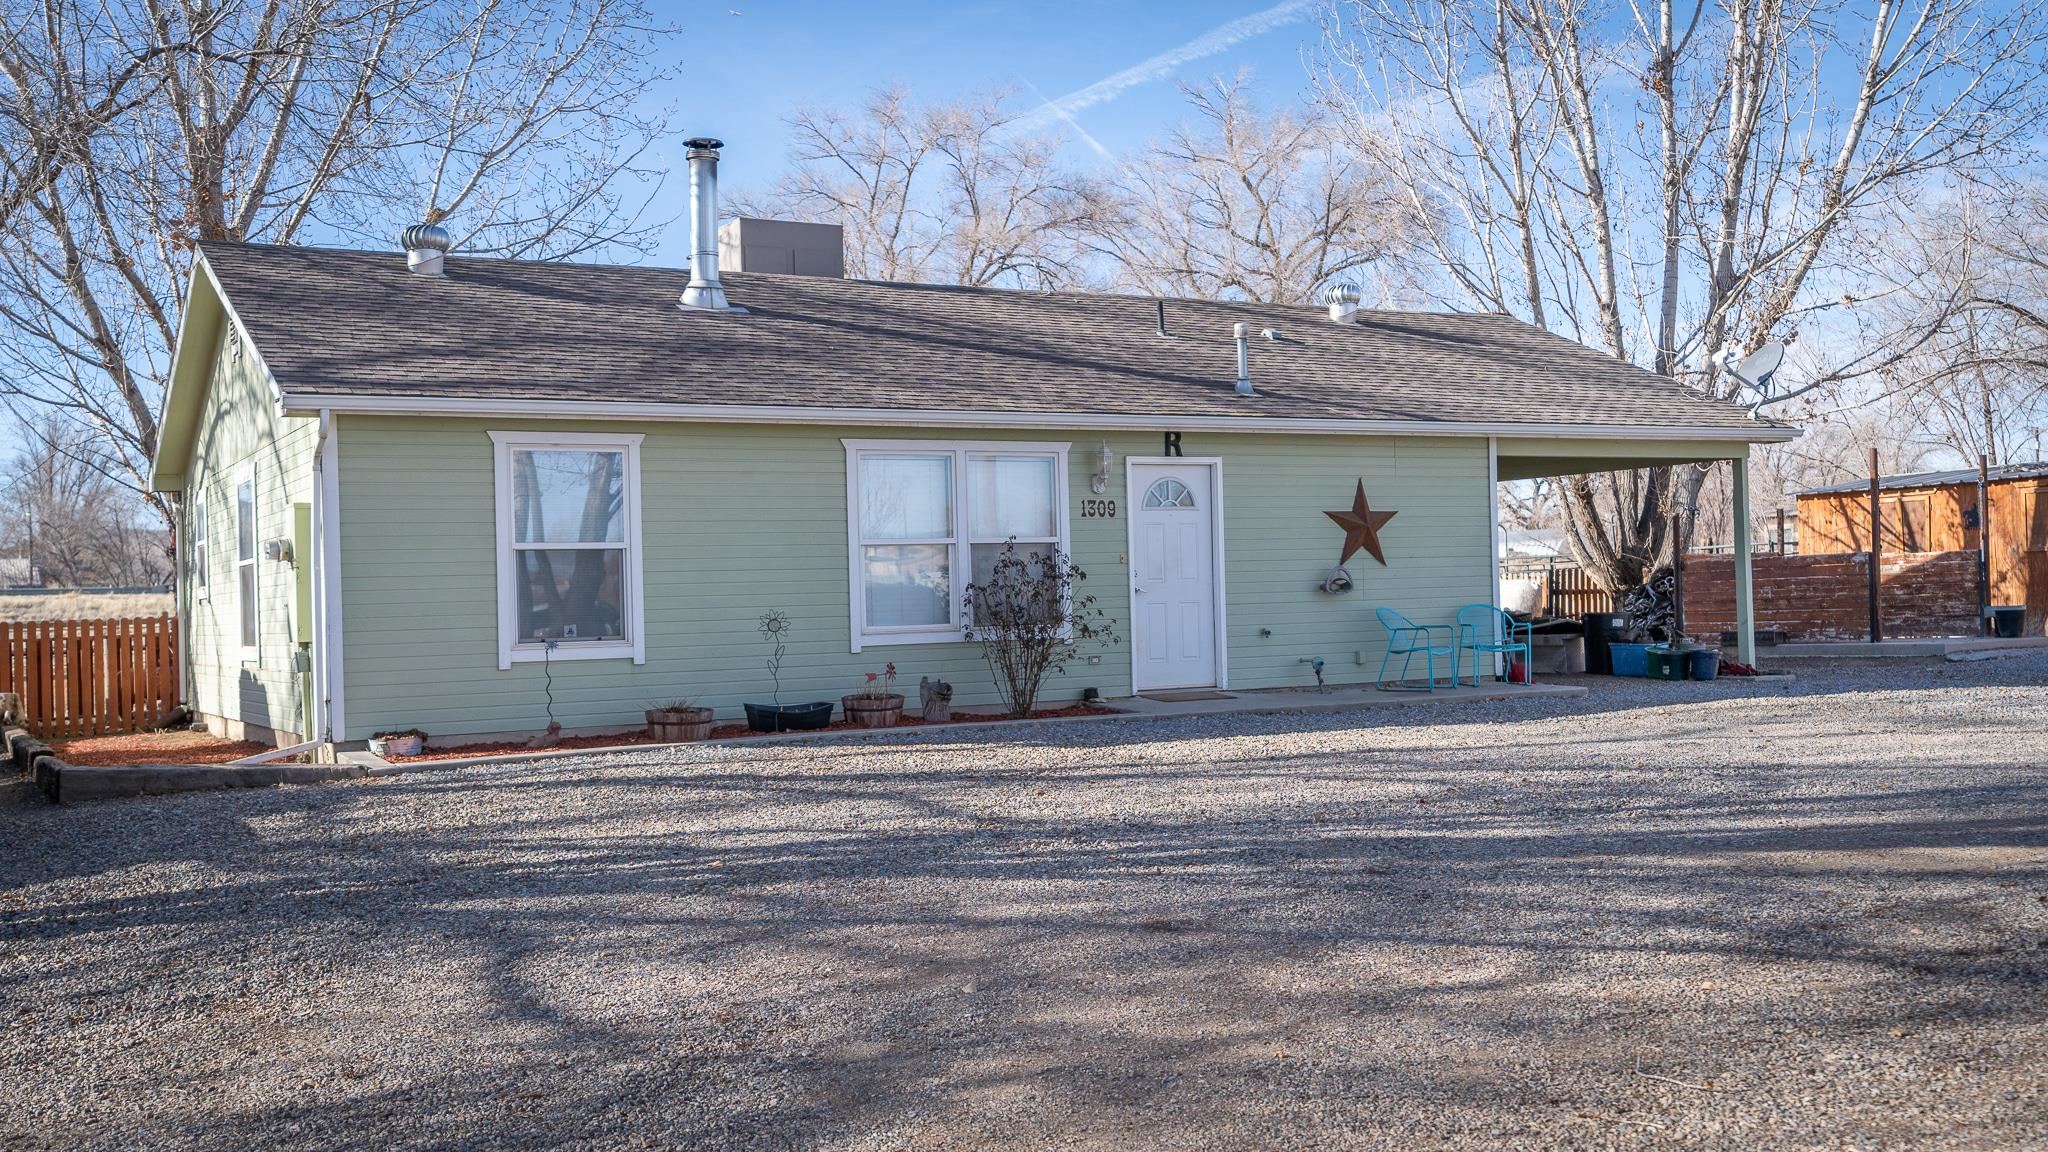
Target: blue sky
{"points": [[745, 73]]}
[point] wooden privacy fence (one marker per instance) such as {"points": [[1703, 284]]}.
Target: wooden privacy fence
{"points": [[1566, 589], [1570, 591], [91, 677]]}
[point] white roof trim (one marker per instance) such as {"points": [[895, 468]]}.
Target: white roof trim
{"points": [[297, 404]]}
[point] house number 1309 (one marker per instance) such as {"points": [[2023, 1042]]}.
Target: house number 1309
{"points": [[1098, 509]]}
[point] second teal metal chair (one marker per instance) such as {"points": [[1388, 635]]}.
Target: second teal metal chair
{"points": [[1482, 628]]}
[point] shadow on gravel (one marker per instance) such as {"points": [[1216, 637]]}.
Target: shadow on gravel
{"points": [[788, 947]]}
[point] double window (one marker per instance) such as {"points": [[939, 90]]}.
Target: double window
{"points": [[569, 583], [248, 609], [927, 518]]}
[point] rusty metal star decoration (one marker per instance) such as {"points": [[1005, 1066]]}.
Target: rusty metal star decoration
{"points": [[1361, 528]]}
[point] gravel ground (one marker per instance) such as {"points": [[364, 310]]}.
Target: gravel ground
{"points": [[1668, 915]]}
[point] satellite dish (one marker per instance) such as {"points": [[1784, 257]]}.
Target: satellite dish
{"points": [[1756, 369], [1755, 372]]}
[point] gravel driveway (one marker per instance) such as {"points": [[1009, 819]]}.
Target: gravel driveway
{"points": [[1667, 915]]}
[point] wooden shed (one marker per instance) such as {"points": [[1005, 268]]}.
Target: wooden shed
{"points": [[1937, 512]]}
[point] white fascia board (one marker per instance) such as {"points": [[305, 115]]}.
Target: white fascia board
{"points": [[160, 479], [305, 403]]}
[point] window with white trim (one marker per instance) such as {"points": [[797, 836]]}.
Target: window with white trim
{"points": [[926, 518], [196, 557], [248, 608], [569, 583]]}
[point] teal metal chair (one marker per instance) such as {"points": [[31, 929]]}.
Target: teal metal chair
{"points": [[1407, 639], [1486, 630]]}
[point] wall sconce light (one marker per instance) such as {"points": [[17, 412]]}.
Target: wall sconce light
{"points": [[1099, 483]]}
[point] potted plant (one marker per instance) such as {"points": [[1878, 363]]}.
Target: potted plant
{"points": [[678, 721], [876, 704], [778, 717], [410, 742]]}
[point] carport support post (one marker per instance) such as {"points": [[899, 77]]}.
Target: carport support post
{"points": [[1745, 592], [1876, 552]]}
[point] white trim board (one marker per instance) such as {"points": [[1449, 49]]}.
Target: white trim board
{"points": [[327, 587], [300, 404]]}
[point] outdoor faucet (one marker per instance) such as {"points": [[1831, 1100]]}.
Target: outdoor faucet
{"points": [[1315, 665]]}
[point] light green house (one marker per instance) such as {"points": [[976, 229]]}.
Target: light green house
{"points": [[466, 495]]}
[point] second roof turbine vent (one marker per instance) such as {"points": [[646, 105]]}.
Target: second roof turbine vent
{"points": [[1343, 301]]}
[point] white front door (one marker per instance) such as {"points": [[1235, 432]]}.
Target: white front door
{"points": [[1173, 576]]}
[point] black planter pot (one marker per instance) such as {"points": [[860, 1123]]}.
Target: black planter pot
{"points": [[788, 717]]}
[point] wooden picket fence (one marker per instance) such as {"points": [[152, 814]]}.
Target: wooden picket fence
{"points": [[91, 677], [1569, 591]]}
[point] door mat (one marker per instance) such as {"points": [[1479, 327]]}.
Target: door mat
{"points": [[1182, 697]]}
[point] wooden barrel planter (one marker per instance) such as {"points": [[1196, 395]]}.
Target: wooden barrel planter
{"points": [[678, 725], [873, 711]]}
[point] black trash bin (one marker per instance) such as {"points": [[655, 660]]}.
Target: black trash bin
{"points": [[2008, 621], [1602, 629]]}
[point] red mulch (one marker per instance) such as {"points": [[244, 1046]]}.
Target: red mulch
{"points": [[181, 747], [722, 732]]}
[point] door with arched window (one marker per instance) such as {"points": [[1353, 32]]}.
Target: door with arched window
{"points": [[1175, 636]]}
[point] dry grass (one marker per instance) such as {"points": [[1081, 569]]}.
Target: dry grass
{"points": [[84, 606]]}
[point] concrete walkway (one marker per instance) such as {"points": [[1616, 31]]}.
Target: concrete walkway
{"points": [[1336, 698], [1909, 649]]}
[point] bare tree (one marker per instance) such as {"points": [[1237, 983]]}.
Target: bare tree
{"points": [[75, 525], [955, 192], [131, 130], [1680, 191], [1249, 205]]}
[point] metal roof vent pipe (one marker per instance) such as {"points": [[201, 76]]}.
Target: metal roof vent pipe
{"points": [[704, 291], [425, 246], [1244, 359], [1343, 301]]}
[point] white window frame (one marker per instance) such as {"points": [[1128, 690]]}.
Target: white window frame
{"points": [[246, 474], [960, 543], [200, 551], [512, 650]]}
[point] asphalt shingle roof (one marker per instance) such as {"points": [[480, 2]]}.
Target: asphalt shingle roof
{"points": [[352, 323]]}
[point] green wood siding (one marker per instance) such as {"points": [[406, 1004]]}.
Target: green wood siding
{"points": [[740, 519], [239, 425]]}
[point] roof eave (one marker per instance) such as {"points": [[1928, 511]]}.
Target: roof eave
{"points": [[310, 404]]}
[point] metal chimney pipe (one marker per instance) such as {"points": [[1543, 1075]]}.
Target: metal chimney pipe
{"points": [[1244, 359], [704, 290]]}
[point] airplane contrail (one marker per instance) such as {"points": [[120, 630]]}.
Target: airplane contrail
{"points": [[1168, 62]]}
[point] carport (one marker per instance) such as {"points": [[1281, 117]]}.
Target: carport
{"points": [[1530, 457]]}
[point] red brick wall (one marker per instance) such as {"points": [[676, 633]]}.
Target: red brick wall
{"points": [[1827, 597]]}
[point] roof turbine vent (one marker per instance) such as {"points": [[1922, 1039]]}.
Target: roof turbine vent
{"points": [[1343, 301], [425, 245]]}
